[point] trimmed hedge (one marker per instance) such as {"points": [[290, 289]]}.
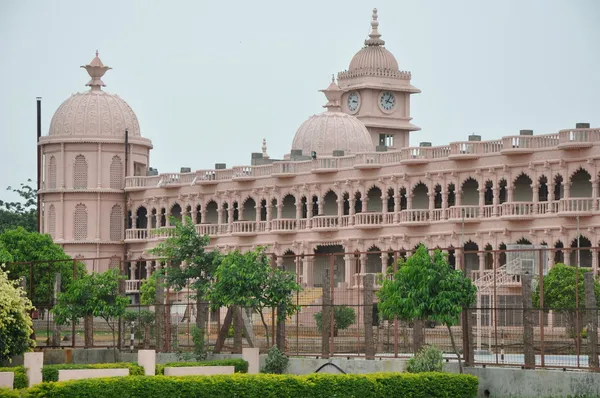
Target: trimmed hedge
{"points": [[422, 385], [240, 365], [6, 393], [20, 376], [50, 372]]}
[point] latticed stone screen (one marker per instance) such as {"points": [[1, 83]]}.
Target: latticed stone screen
{"points": [[116, 173], [116, 223], [80, 222], [52, 173], [52, 221], [80, 173]]}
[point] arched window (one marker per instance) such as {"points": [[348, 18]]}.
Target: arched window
{"points": [[52, 221], [80, 171], [116, 223], [116, 173], [80, 222], [52, 173]]}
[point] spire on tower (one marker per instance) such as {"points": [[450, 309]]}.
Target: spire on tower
{"points": [[264, 149], [96, 70], [334, 96], [374, 37]]}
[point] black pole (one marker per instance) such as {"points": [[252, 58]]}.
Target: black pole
{"points": [[39, 163]]}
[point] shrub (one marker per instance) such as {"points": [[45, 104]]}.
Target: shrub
{"points": [[50, 372], [421, 385], [6, 393], [276, 362], [20, 376], [343, 317], [240, 365], [428, 359]]}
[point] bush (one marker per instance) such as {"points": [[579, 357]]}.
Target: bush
{"points": [[343, 317], [240, 365], [50, 372], [6, 393], [20, 376], [276, 362], [422, 385], [428, 359]]}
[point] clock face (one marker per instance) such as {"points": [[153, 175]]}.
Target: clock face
{"points": [[353, 101], [387, 101]]}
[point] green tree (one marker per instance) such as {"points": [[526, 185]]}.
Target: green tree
{"points": [[248, 280], [21, 213], [560, 287], [16, 327], [148, 290], [188, 260], [343, 317], [425, 287], [93, 295], [34, 256]]}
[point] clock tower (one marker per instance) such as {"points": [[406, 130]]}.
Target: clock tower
{"points": [[378, 93]]}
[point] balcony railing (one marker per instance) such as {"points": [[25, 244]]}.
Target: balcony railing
{"points": [[469, 213], [455, 150], [132, 285]]}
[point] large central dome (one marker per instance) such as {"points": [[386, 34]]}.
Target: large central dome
{"points": [[332, 130], [94, 113], [373, 56]]}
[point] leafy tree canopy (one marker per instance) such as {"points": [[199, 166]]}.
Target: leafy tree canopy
{"points": [[185, 250], [560, 286], [21, 213], [15, 323], [248, 280], [19, 247]]}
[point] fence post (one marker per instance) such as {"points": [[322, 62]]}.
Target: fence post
{"points": [[159, 314], [325, 315], [56, 327], [526, 297], [369, 282], [592, 319]]}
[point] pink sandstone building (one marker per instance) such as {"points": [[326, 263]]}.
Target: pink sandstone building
{"points": [[351, 183]]}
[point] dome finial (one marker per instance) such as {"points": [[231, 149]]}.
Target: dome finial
{"points": [[264, 149], [374, 37], [96, 70], [334, 96]]}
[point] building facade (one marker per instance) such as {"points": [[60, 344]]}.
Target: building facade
{"points": [[350, 184]]}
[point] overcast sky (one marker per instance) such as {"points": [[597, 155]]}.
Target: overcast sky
{"points": [[209, 80]]}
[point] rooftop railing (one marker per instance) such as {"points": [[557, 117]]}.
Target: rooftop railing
{"points": [[453, 151]]}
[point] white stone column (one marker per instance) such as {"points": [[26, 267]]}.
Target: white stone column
{"points": [[444, 193], [279, 210], [320, 205], [409, 199], [397, 199], [351, 210], [595, 196], [536, 197], [257, 210], [147, 360], [431, 197], [348, 270], [384, 204], [496, 200], [229, 217], [307, 271], [148, 269], [365, 204], [251, 355], [595, 261], [33, 362], [298, 213], [481, 200], [269, 215], [384, 263], [132, 270]]}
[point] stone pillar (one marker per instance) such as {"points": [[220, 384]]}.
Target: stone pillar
{"points": [[320, 205], [481, 263], [481, 200], [269, 215], [348, 270], [307, 271], [133, 220], [496, 201], [536, 197], [229, 217], [397, 199], [528, 347], [363, 264], [444, 194], [431, 196], [33, 362], [203, 213], [595, 262], [409, 198], [147, 360], [251, 355], [257, 209], [510, 194], [148, 269], [566, 189], [369, 282], [458, 197], [384, 262], [352, 210], [595, 203], [591, 318], [384, 204], [365, 204], [326, 315], [340, 208], [132, 269]]}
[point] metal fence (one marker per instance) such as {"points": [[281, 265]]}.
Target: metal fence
{"points": [[504, 328]]}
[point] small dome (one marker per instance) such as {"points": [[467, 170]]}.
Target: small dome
{"points": [[373, 55], [332, 130], [95, 112]]}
